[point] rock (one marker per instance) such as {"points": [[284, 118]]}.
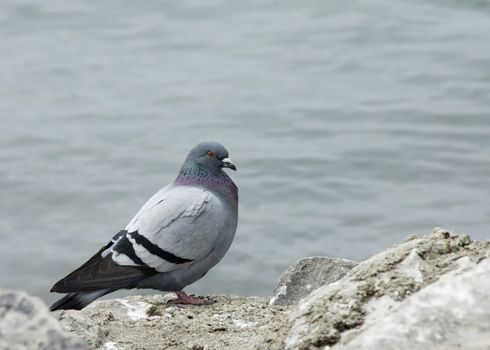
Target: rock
{"points": [[306, 275], [26, 323], [335, 315], [430, 292], [452, 313], [148, 322]]}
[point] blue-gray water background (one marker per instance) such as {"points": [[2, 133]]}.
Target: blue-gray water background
{"points": [[352, 123]]}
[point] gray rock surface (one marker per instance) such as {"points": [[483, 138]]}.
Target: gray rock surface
{"points": [[148, 322], [430, 292], [306, 275], [26, 323], [335, 315], [452, 313]]}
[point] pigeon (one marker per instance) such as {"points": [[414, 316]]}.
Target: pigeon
{"points": [[180, 233]]}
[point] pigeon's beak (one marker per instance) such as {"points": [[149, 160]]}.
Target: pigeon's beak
{"points": [[228, 164]]}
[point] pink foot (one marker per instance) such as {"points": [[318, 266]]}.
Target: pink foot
{"points": [[184, 299]]}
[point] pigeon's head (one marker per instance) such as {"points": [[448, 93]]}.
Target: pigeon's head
{"points": [[204, 167], [211, 156]]}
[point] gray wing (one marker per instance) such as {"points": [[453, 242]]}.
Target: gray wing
{"points": [[177, 226]]}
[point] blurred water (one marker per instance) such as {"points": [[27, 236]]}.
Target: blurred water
{"points": [[352, 125]]}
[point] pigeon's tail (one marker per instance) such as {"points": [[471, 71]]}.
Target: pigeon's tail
{"points": [[77, 301]]}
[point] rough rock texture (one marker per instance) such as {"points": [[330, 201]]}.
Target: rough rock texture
{"points": [[452, 313], [430, 292], [340, 312], [26, 323], [306, 275], [148, 322]]}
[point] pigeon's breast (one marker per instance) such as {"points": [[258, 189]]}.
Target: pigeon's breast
{"points": [[226, 232]]}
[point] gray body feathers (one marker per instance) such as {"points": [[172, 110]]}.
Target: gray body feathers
{"points": [[175, 238]]}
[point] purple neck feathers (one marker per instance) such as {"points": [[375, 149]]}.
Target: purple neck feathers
{"points": [[194, 175]]}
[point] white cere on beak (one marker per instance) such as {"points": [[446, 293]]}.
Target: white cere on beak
{"points": [[228, 164]]}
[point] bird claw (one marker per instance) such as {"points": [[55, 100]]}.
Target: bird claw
{"points": [[185, 299]]}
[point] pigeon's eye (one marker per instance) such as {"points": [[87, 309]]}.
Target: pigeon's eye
{"points": [[210, 154]]}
